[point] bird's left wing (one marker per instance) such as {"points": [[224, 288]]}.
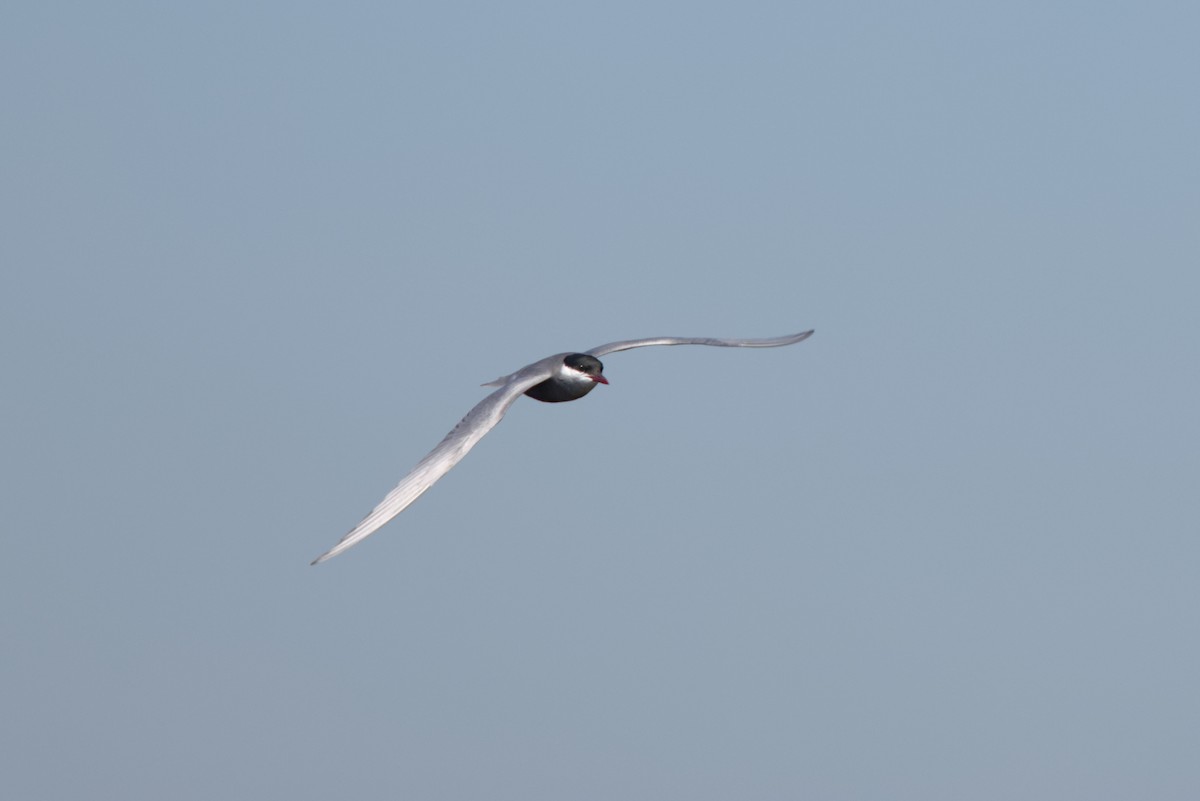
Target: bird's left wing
{"points": [[449, 452], [773, 342]]}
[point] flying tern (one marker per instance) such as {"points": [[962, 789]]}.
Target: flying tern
{"points": [[554, 379]]}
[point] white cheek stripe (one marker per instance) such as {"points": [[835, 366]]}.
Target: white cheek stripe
{"points": [[573, 375]]}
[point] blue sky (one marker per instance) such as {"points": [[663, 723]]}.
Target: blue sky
{"points": [[259, 257]]}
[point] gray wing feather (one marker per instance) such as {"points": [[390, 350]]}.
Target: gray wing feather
{"points": [[449, 452], [773, 342]]}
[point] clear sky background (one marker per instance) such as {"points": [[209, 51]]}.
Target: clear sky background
{"points": [[258, 257]]}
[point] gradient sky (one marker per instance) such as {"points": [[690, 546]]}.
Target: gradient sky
{"points": [[258, 257]]}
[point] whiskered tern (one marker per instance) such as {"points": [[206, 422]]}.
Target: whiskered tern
{"points": [[554, 379]]}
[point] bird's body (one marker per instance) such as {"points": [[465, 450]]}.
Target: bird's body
{"points": [[554, 379], [576, 375]]}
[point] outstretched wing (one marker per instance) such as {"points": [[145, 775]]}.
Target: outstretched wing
{"points": [[449, 452], [773, 342]]}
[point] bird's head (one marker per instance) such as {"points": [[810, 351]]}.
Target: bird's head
{"points": [[584, 366]]}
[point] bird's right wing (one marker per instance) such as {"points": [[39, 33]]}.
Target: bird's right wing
{"points": [[449, 452], [773, 342]]}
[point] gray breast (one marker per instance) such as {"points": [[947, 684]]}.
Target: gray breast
{"points": [[557, 390]]}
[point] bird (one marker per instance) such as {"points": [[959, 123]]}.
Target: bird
{"points": [[554, 379]]}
